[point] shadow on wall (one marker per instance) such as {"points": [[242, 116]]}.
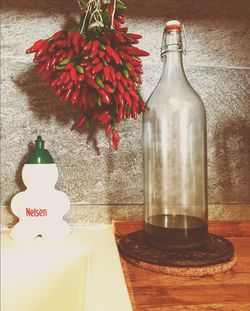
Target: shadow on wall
{"points": [[233, 161], [45, 105]]}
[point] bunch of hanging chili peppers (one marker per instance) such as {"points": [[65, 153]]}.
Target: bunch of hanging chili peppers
{"points": [[98, 70]]}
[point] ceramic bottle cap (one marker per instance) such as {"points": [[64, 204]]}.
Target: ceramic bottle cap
{"points": [[39, 155]]}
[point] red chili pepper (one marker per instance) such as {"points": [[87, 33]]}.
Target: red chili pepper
{"points": [[38, 54], [139, 70], [141, 104], [134, 113], [125, 56], [119, 36], [89, 67], [115, 139], [102, 115], [104, 96], [94, 48], [132, 40], [110, 51], [81, 122], [118, 75], [116, 24], [53, 61], [35, 46], [47, 66], [96, 115], [139, 80], [117, 58], [124, 81], [92, 84], [133, 74], [96, 61], [133, 93], [108, 129], [75, 94], [60, 82], [68, 66], [120, 99], [135, 61], [61, 43], [62, 57], [69, 39], [120, 87], [138, 52], [120, 115], [58, 92], [127, 98], [82, 42], [111, 9], [76, 37], [108, 89], [67, 78], [131, 83], [106, 120], [47, 74], [112, 73], [101, 54], [95, 45], [73, 74], [97, 68], [120, 19], [53, 83], [70, 85], [89, 74], [81, 78], [93, 53], [87, 47], [79, 85], [106, 72], [41, 70], [58, 34], [134, 35], [58, 53], [70, 54], [128, 114], [107, 58], [124, 29]]}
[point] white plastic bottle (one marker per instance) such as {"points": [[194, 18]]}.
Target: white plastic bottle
{"points": [[40, 208]]}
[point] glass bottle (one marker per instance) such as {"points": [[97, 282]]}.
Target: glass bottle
{"points": [[175, 163]]}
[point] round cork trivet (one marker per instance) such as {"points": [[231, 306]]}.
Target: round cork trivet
{"points": [[216, 256]]}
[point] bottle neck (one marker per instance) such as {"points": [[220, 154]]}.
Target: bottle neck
{"points": [[172, 56]]}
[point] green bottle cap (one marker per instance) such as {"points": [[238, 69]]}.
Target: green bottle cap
{"points": [[39, 155]]}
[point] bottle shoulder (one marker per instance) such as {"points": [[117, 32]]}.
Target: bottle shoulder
{"points": [[174, 94]]}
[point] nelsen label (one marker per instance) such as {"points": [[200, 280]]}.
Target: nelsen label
{"points": [[35, 212]]}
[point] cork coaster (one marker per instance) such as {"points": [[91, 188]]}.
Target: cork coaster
{"points": [[216, 256]]}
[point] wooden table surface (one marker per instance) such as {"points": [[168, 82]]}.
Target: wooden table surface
{"points": [[226, 291]]}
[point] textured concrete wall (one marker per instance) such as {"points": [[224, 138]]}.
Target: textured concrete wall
{"points": [[102, 184]]}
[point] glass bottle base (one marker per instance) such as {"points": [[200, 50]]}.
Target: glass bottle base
{"points": [[176, 232]]}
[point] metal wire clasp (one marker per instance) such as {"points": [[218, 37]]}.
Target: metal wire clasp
{"points": [[184, 43]]}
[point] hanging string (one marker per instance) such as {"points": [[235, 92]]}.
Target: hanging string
{"points": [[113, 15], [93, 7], [96, 16]]}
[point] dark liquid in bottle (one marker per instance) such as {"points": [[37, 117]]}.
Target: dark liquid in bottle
{"points": [[176, 231]]}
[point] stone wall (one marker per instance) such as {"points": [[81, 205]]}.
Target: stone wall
{"points": [[102, 184]]}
